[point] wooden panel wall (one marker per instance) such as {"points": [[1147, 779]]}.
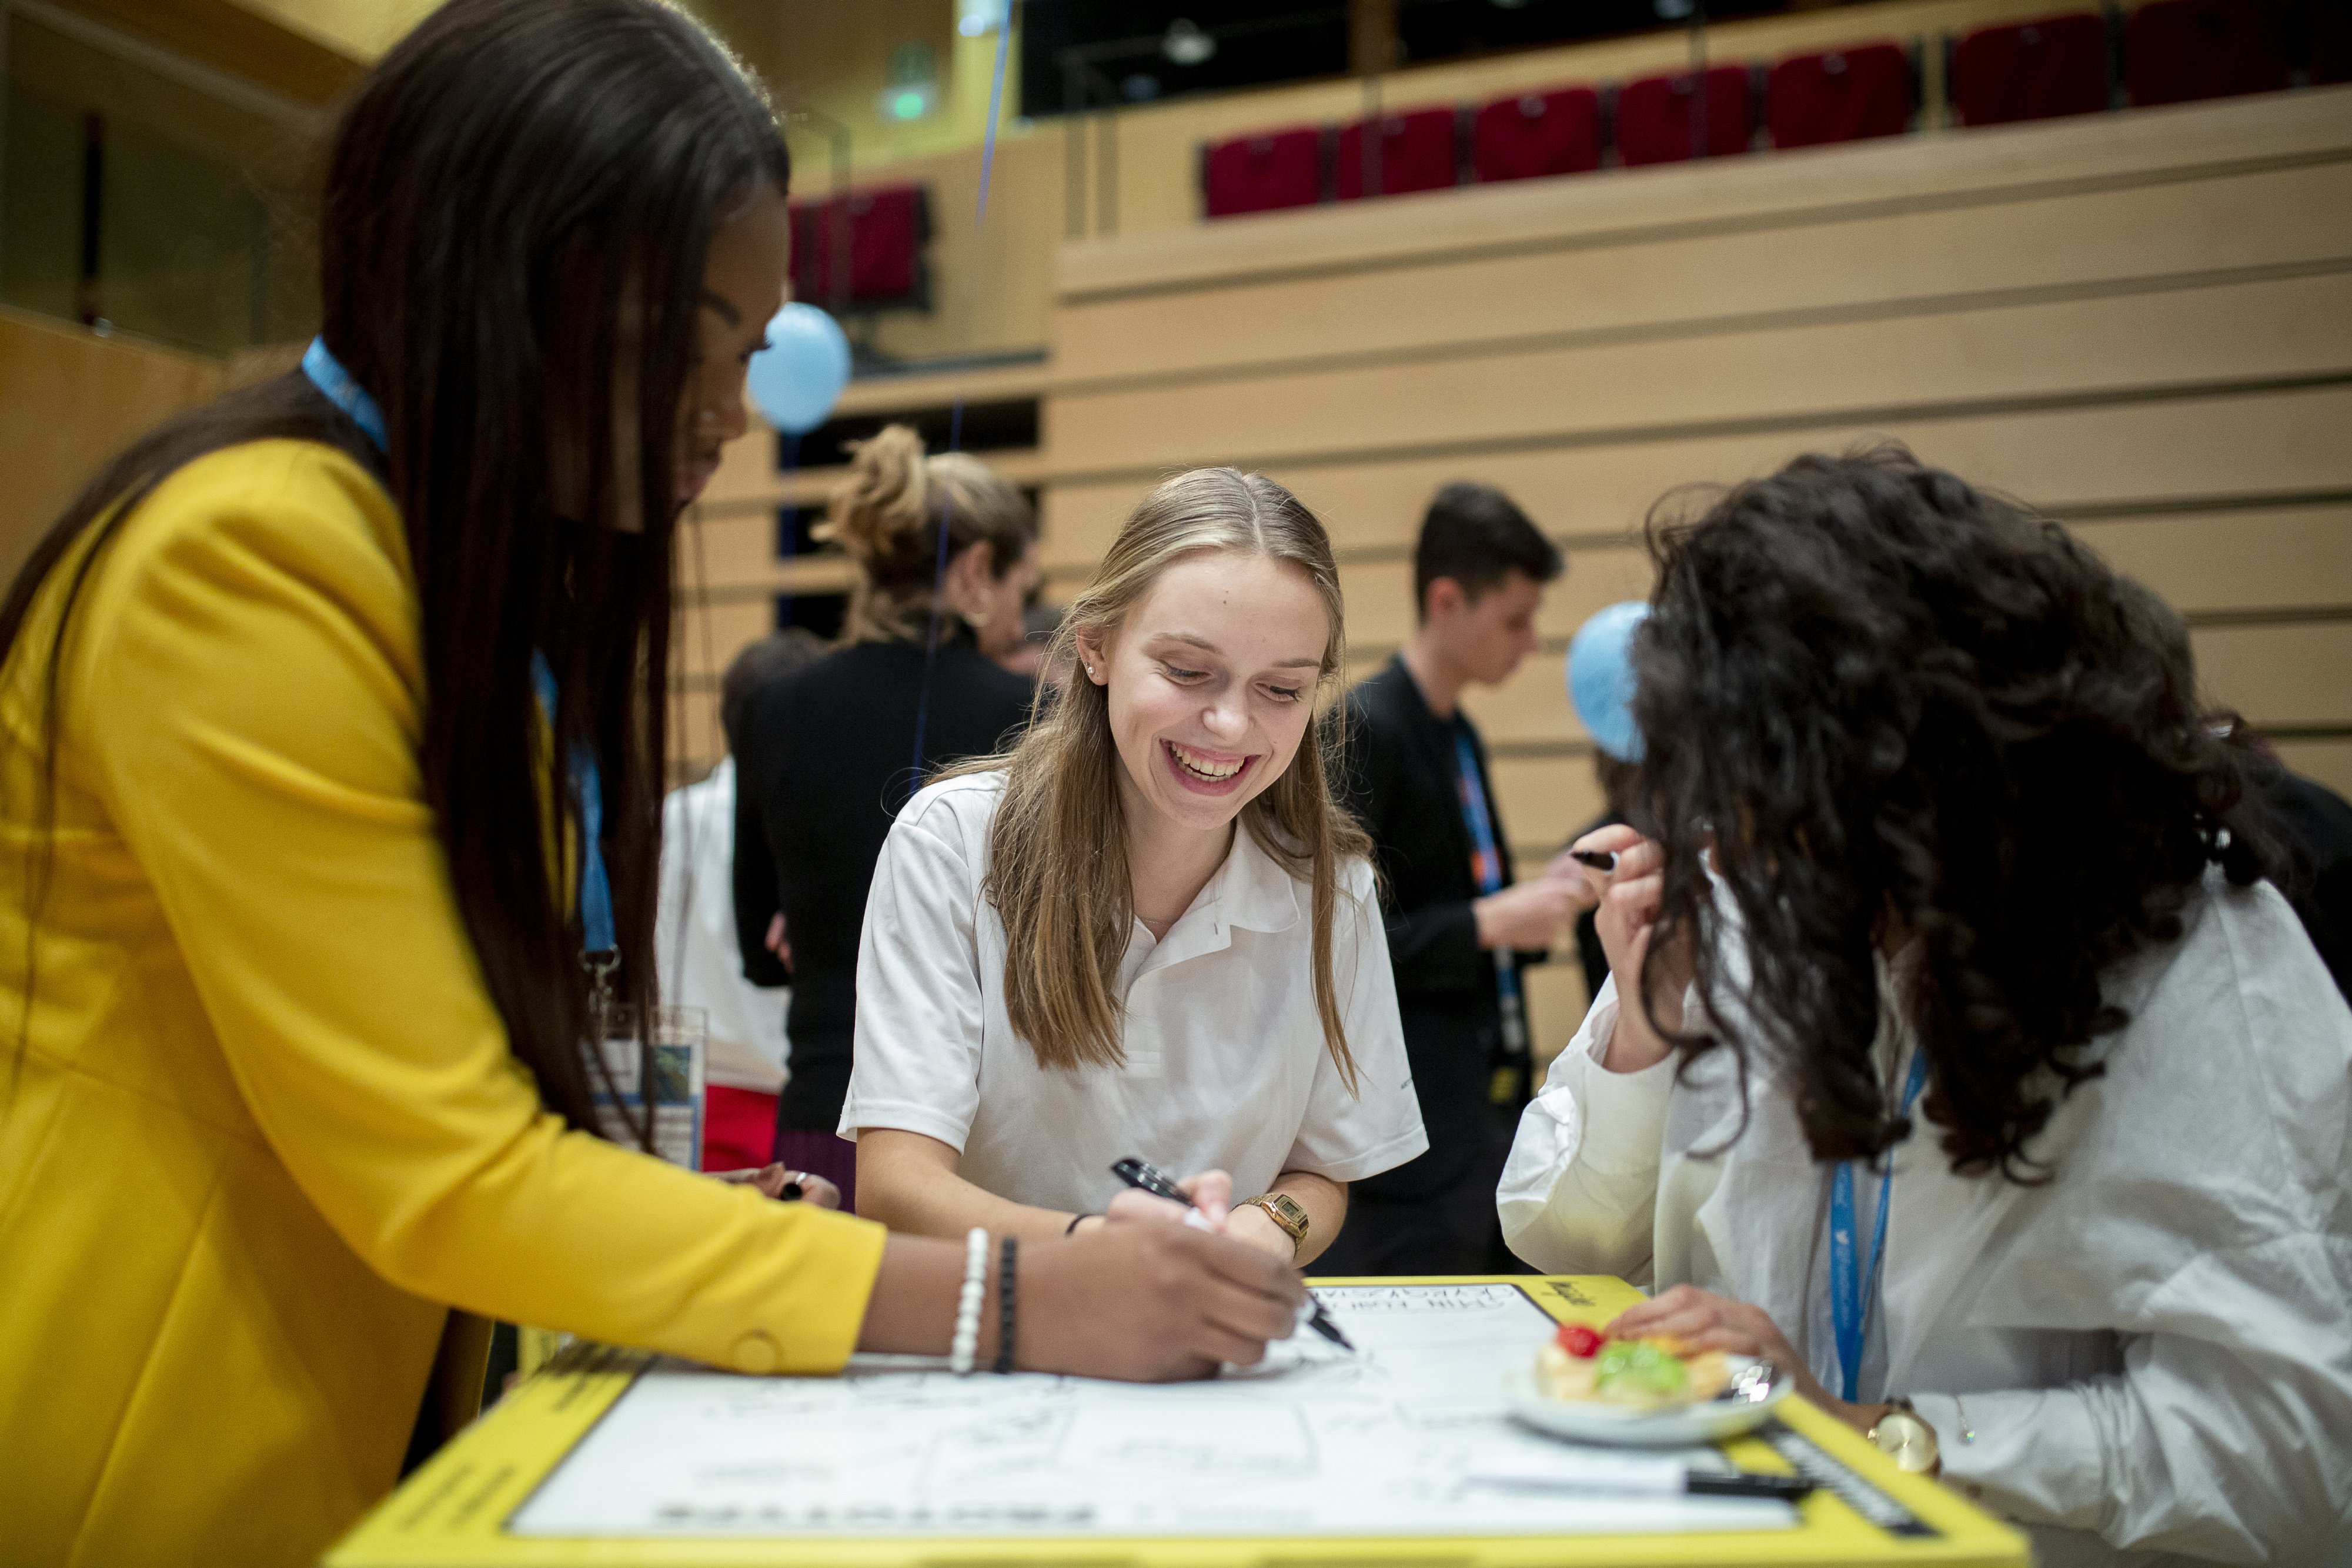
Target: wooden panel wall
{"points": [[69, 400], [2141, 323]]}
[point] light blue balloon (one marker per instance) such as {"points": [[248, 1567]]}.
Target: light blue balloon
{"points": [[1601, 678], [798, 377]]}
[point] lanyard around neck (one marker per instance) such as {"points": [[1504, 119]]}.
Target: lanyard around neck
{"points": [[1851, 1287], [326, 374], [597, 940], [1487, 872]]}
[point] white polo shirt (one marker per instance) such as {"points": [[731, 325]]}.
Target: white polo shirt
{"points": [[1225, 1068]]}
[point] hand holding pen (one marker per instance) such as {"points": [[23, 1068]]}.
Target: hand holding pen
{"points": [[1142, 1177], [1630, 871]]}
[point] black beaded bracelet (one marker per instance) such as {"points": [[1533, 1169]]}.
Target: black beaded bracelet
{"points": [[1006, 1311]]}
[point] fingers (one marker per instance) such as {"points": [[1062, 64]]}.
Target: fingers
{"points": [[1238, 1315], [1136, 1206], [1702, 1320], [1217, 1343], [1644, 857], [1211, 1193], [779, 1181], [1237, 1264], [1637, 1319], [1613, 840]]}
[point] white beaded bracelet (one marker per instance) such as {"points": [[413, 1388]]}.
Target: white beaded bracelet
{"points": [[964, 1351]]}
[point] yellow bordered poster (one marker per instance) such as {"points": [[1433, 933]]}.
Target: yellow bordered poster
{"points": [[461, 1508]]}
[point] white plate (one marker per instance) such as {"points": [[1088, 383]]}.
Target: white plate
{"points": [[1590, 1421]]}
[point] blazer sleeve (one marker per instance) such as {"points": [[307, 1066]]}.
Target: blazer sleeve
{"points": [[246, 694], [757, 897]]}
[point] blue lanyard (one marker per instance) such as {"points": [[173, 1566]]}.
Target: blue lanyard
{"points": [[326, 374], [588, 788], [1851, 1292], [1486, 871]]}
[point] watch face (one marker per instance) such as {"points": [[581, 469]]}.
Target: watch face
{"points": [[1906, 1439]]}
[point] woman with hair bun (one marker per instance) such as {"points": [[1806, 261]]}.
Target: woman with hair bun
{"points": [[1972, 1073], [829, 755]]}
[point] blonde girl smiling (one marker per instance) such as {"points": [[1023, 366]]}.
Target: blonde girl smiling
{"points": [[1151, 929]]}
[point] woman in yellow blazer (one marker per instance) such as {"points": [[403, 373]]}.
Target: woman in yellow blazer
{"points": [[290, 946]]}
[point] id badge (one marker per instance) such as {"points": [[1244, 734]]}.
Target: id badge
{"points": [[681, 1046]]}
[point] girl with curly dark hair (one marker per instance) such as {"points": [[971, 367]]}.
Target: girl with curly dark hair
{"points": [[1947, 839]]}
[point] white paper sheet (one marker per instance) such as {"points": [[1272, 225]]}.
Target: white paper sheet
{"points": [[1409, 1437]]}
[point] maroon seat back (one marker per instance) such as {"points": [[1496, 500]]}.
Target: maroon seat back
{"points": [[1842, 95], [1263, 172], [1418, 151], [2175, 50], [1654, 118], [889, 226], [2031, 70], [1531, 134]]}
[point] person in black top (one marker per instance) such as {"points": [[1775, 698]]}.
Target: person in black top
{"points": [[829, 755], [1417, 779], [2314, 827]]}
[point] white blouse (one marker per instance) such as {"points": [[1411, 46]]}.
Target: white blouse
{"points": [[2147, 1359], [695, 950], [1225, 1064]]}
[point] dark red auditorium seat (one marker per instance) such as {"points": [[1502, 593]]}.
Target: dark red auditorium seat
{"points": [[2031, 70], [1653, 116], [1418, 151], [1260, 174], [2175, 51], [1532, 134], [889, 226], [1845, 95]]}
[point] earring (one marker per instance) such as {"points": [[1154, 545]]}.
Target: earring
{"points": [[1090, 672]]}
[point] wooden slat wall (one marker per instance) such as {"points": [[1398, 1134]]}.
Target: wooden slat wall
{"points": [[71, 399], [2141, 323]]}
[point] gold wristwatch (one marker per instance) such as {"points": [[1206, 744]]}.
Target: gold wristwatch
{"points": [[1906, 1439], [1285, 1212]]}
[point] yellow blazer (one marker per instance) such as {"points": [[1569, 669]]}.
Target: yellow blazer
{"points": [[259, 1126]]}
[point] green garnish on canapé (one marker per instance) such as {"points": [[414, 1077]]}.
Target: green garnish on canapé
{"points": [[1637, 1367]]}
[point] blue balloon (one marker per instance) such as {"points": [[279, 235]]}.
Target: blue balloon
{"points": [[798, 377], [1601, 678]]}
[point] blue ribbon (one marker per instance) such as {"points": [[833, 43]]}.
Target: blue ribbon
{"points": [[1850, 1291], [328, 374]]}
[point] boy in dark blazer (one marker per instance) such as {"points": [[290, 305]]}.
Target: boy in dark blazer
{"points": [[1458, 929]]}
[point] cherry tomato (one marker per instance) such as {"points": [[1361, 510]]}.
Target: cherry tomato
{"points": [[1580, 1341]]}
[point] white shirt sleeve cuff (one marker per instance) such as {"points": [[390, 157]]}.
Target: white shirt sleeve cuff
{"points": [[2032, 1454], [1408, 1144], [903, 1116], [1623, 1115]]}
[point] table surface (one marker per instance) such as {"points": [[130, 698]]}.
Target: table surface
{"points": [[455, 1510]]}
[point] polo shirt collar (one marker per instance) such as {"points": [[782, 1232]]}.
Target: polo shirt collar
{"points": [[1258, 894], [1250, 891]]}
